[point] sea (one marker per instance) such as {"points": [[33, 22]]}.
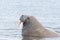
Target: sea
{"points": [[47, 13]]}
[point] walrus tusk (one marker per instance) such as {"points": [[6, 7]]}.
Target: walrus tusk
{"points": [[20, 23]]}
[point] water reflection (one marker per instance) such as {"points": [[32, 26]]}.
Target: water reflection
{"points": [[38, 38], [31, 38]]}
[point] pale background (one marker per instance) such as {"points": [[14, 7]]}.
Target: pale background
{"points": [[46, 11]]}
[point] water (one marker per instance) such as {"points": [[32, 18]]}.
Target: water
{"points": [[37, 38], [46, 11]]}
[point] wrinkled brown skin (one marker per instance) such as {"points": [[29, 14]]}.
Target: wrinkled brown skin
{"points": [[31, 27]]}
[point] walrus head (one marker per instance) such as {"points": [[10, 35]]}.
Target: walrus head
{"points": [[29, 21], [24, 19]]}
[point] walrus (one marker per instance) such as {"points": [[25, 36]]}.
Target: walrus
{"points": [[32, 27]]}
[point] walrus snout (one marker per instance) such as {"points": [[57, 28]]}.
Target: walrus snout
{"points": [[23, 18]]}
